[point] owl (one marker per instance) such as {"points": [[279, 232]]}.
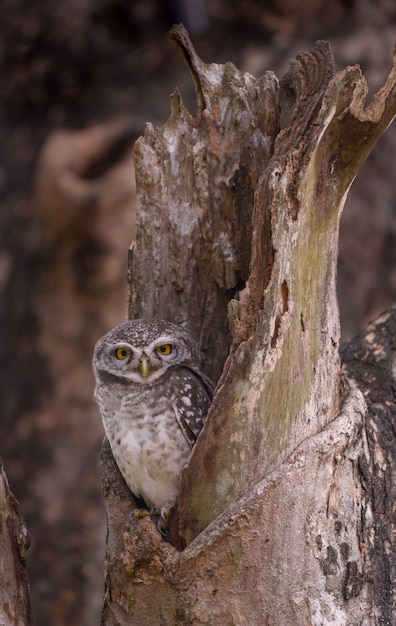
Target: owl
{"points": [[153, 400]]}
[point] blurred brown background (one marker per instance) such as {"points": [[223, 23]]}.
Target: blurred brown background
{"points": [[78, 81]]}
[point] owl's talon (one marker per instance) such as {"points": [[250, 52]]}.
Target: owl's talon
{"points": [[165, 512], [161, 513], [162, 527]]}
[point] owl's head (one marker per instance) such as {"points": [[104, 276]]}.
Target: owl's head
{"points": [[141, 351]]}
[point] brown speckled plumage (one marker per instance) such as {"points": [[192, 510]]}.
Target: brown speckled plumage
{"points": [[153, 405]]}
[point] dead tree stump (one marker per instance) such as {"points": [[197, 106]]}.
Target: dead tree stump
{"points": [[248, 194]]}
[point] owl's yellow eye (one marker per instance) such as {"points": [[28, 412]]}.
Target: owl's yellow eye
{"points": [[122, 353], [166, 348]]}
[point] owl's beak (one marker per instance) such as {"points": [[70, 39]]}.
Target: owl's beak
{"points": [[144, 367]]}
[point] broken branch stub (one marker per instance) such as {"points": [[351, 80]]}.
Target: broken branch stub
{"points": [[195, 181], [281, 382]]}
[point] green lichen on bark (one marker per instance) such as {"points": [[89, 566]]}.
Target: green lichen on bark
{"points": [[280, 510], [281, 383], [225, 198]]}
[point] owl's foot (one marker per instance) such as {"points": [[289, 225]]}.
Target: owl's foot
{"points": [[162, 514], [139, 514]]}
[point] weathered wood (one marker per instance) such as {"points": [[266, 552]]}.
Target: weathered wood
{"points": [[288, 552], [195, 180], [370, 360], [15, 609], [251, 192], [281, 383]]}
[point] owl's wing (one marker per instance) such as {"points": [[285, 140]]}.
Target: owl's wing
{"points": [[191, 414], [205, 380]]}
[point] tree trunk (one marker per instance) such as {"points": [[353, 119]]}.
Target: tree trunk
{"points": [[249, 194], [15, 607], [370, 361]]}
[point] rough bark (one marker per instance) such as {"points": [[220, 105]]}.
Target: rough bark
{"points": [[370, 361], [251, 191], [196, 179], [15, 607], [281, 383]]}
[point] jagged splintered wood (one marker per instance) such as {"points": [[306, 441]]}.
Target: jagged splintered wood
{"points": [[196, 179], [250, 192], [281, 383]]}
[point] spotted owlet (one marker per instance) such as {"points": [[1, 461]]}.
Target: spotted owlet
{"points": [[153, 399]]}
